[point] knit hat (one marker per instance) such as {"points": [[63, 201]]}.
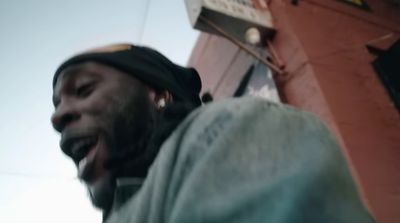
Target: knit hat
{"points": [[147, 65]]}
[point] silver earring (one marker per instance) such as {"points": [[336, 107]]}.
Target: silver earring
{"points": [[161, 103]]}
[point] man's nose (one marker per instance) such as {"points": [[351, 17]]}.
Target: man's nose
{"points": [[64, 115]]}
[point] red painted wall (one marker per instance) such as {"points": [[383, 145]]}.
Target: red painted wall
{"points": [[329, 72]]}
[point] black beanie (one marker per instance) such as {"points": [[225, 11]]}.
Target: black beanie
{"points": [[147, 65]]}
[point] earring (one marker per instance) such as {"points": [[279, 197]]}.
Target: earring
{"points": [[161, 103]]}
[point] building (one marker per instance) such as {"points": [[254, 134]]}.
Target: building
{"points": [[327, 49]]}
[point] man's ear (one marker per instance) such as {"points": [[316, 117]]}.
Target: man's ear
{"points": [[163, 98]]}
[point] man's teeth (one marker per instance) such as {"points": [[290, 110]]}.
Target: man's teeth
{"points": [[84, 152], [81, 166]]}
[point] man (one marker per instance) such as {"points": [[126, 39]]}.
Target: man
{"points": [[128, 119]]}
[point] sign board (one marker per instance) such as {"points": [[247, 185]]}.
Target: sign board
{"points": [[233, 16]]}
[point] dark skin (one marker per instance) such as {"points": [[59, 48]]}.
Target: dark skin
{"points": [[99, 112]]}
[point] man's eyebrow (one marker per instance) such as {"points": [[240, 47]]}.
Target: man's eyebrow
{"points": [[75, 71], [71, 72]]}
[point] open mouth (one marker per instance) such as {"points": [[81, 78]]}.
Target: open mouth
{"points": [[83, 151]]}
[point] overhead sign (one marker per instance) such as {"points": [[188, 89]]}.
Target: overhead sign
{"points": [[235, 17], [358, 3]]}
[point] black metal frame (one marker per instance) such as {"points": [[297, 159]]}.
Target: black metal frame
{"points": [[387, 65], [364, 5]]}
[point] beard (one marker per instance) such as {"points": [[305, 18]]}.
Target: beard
{"points": [[138, 130], [136, 160], [101, 192], [127, 127], [132, 133]]}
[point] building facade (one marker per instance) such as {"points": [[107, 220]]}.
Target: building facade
{"points": [[324, 47]]}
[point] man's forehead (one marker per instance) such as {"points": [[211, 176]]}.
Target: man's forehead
{"points": [[76, 70]]}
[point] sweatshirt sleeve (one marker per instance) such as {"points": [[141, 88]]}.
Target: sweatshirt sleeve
{"points": [[250, 160]]}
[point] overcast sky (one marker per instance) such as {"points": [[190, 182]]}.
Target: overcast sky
{"points": [[37, 182]]}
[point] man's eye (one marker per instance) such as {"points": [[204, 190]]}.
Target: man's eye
{"points": [[85, 90]]}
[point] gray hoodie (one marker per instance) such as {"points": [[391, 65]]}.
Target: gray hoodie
{"points": [[244, 160]]}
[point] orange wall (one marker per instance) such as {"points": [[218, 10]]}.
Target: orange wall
{"points": [[322, 44]]}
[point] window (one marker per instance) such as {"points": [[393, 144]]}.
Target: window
{"points": [[387, 66], [258, 82]]}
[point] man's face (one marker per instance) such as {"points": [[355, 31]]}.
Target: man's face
{"points": [[99, 111]]}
